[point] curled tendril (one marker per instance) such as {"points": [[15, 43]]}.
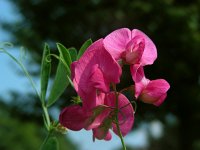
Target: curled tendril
{"points": [[48, 59], [114, 112], [114, 118], [17, 61], [6, 44], [127, 88]]}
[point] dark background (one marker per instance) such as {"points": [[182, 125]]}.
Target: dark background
{"points": [[173, 25]]}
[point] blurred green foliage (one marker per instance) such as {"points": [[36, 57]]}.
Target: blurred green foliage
{"points": [[19, 134], [173, 25]]}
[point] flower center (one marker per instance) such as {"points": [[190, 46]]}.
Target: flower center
{"points": [[134, 51]]}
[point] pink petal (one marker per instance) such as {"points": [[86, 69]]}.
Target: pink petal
{"points": [[126, 114], [138, 76], [94, 64], [116, 42], [73, 117], [108, 65], [150, 51], [137, 72], [155, 91], [99, 114], [140, 86], [98, 80], [92, 99], [108, 136], [134, 50], [101, 132], [160, 100], [73, 66], [97, 133]]}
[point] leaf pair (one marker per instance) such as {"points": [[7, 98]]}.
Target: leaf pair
{"points": [[73, 52], [63, 73]]}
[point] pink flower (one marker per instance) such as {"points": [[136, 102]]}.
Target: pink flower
{"points": [[133, 47], [125, 117], [101, 118], [93, 73], [136, 49], [149, 91]]}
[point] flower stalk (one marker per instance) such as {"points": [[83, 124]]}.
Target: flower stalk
{"points": [[117, 119]]}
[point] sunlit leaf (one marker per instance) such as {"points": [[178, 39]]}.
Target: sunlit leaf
{"points": [[45, 72], [84, 47]]}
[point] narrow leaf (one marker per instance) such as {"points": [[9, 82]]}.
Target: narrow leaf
{"points": [[64, 54], [51, 144], [84, 47], [59, 85], [45, 72], [73, 54]]}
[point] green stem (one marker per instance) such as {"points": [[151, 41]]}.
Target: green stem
{"points": [[47, 118], [117, 119], [45, 140], [46, 114], [24, 70]]}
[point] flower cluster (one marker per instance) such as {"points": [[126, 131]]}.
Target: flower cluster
{"points": [[103, 109]]}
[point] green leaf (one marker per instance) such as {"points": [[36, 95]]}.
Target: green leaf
{"points": [[59, 85], [65, 57], [73, 54], [51, 144], [64, 53], [84, 47], [45, 72]]}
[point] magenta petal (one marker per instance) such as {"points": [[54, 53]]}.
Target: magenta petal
{"points": [[134, 50], [116, 42], [94, 64], [100, 113], [101, 132], [108, 136], [73, 69], [98, 80], [155, 91], [137, 72], [139, 87], [93, 99], [160, 100], [150, 51], [126, 114], [73, 117]]}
